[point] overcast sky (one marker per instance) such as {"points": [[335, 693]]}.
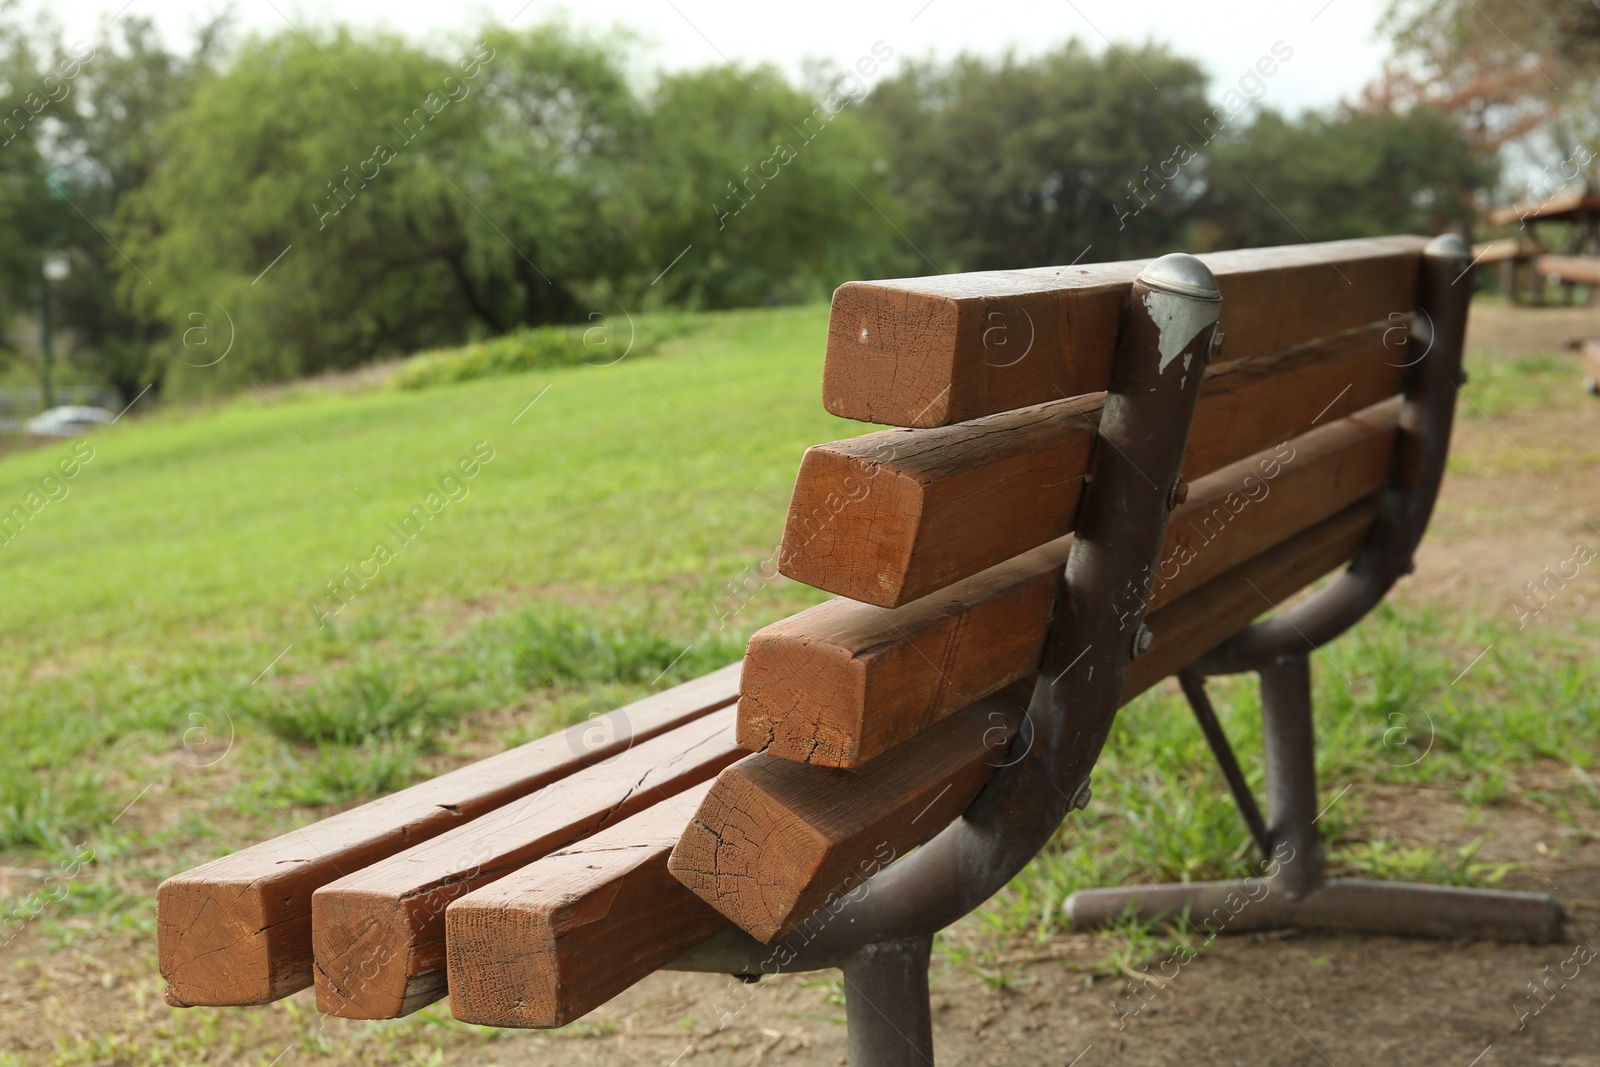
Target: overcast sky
{"points": [[1335, 42]]}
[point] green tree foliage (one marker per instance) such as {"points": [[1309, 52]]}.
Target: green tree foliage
{"points": [[522, 182], [312, 208], [107, 145], [31, 219], [753, 190], [1033, 162], [1349, 174]]}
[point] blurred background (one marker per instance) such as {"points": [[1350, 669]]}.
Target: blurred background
{"points": [[156, 154]]}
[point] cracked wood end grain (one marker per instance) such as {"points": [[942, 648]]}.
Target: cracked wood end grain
{"points": [[550, 943], [940, 350], [776, 840], [378, 934], [237, 930]]}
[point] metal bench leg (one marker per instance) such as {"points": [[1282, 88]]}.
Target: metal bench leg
{"points": [[1289, 746], [1295, 893], [886, 1004]]}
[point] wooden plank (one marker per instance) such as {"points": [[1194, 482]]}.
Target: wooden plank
{"points": [[237, 930], [892, 516], [1512, 248], [843, 682], [775, 840], [550, 943], [379, 933], [935, 351], [1584, 270], [1196, 623], [1563, 205]]}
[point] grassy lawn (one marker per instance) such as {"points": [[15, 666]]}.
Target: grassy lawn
{"points": [[180, 680]]}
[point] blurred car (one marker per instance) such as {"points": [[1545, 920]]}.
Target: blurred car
{"points": [[69, 421]]}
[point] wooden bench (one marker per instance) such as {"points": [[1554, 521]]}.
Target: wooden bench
{"points": [[1088, 491]]}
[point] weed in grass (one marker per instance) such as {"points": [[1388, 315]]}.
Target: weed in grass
{"points": [[368, 701], [44, 811], [1498, 387], [1387, 861], [556, 644], [336, 774]]}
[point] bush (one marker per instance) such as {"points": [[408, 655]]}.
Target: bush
{"points": [[604, 342]]}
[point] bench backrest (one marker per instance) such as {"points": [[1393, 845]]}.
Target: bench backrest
{"points": [[1097, 523], [944, 539]]}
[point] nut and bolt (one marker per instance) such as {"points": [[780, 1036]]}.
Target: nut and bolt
{"points": [[1214, 348]]}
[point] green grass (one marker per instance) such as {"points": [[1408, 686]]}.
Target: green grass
{"points": [[169, 638], [591, 547]]}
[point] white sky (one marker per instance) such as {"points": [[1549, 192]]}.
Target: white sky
{"points": [[1336, 45]]}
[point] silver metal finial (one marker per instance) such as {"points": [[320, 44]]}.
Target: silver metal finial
{"points": [[1448, 246], [1181, 273]]}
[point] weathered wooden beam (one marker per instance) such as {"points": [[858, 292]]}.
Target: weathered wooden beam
{"points": [[1584, 270], [237, 930], [895, 515], [935, 351], [1196, 623], [843, 682], [379, 933], [776, 840], [550, 943]]}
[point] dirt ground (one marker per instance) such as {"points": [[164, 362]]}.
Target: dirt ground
{"points": [[1524, 491]]}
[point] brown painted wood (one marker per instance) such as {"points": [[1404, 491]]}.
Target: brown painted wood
{"points": [[935, 351], [843, 682], [775, 840], [237, 930], [1584, 270], [550, 943], [1201, 620], [379, 933], [1507, 248], [892, 516]]}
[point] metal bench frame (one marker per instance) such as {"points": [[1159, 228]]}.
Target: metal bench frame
{"points": [[881, 933]]}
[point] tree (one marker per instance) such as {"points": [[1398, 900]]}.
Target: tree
{"points": [[1042, 161], [517, 180], [31, 218], [1504, 68], [106, 146], [328, 202], [773, 191], [1351, 173]]}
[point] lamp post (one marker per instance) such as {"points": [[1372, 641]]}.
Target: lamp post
{"points": [[56, 267]]}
